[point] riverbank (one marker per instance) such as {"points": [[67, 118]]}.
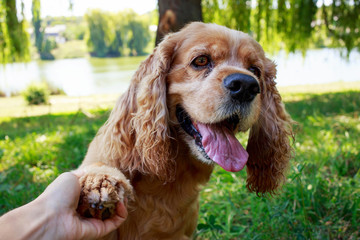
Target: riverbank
{"points": [[86, 76], [16, 106]]}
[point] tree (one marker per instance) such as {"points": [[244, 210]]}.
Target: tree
{"points": [[174, 14], [109, 34], [342, 22], [36, 21], [43, 45], [100, 35], [277, 24], [139, 37], [14, 40]]}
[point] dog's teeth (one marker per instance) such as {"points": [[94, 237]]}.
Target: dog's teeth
{"points": [[198, 140]]}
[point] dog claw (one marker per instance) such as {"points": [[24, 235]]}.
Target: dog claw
{"points": [[99, 196]]}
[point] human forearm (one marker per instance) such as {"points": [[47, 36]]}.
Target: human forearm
{"points": [[27, 222], [53, 215]]}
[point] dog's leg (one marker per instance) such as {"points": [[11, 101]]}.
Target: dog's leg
{"points": [[102, 187]]}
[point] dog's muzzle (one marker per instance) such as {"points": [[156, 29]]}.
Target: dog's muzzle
{"points": [[242, 87]]}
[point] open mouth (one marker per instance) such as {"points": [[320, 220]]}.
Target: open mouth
{"points": [[216, 142]]}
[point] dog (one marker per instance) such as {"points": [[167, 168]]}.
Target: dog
{"points": [[177, 120]]}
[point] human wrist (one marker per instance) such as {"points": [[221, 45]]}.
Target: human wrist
{"points": [[29, 221], [47, 224], [42, 219]]}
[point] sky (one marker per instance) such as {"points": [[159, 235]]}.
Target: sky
{"points": [[61, 7]]}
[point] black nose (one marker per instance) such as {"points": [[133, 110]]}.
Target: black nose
{"points": [[243, 88]]}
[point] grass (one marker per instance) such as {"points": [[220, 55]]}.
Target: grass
{"points": [[57, 104], [321, 199]]}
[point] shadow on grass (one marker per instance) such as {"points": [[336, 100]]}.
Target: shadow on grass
{"points": [[320, 198], [325, 104], [328, 132], [35, 150], [20, 127], [319, 201]]}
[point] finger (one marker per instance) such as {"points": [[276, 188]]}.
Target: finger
{"points": [[66, 182], [94, 227], [121, 210], [69, 189], [62, 193]]}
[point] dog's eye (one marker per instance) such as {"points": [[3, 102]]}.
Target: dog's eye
{"points": [[201, 61], [255, 70]]}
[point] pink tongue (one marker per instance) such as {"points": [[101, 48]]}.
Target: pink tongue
{"points": [[222, 147]]}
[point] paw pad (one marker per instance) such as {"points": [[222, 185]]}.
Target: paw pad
{"points": [[99, 196]]}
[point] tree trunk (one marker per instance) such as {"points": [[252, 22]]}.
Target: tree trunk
{"points": [[174, 14]]}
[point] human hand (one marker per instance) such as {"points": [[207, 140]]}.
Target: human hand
{"points": [[60, 200]]}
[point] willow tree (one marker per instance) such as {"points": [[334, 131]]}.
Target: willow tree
{"points": [[14, 40], [99, 36], [342, 23], [278, 24], [36, 21]]}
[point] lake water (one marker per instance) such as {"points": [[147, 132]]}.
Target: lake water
{"points": [[86, 76]]}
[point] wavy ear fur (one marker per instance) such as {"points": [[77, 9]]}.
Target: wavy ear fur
{"points": [[269, 141], [136, 136]]}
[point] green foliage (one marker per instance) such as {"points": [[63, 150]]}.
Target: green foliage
{"points": [[342, 21], [100, 33], [319, 201], [36, 21], [290, 24], [53, 21], [36, 93], [42, 44], [70, 49], [139, 38], [48, 45], [14, 40], [109, 34], [75, 26], [75, 32]]}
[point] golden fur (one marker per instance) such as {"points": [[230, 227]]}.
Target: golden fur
{"points": [[143, 140]]}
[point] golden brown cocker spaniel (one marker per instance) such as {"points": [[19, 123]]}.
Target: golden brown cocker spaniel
{"points": [[178, 118]]}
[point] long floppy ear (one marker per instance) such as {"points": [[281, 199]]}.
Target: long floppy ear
{"points": [[137, 135], [269, 141]]}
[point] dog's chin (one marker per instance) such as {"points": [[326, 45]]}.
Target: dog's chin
{"points": [[215, 142]]}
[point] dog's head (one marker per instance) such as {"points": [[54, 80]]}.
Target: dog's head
{"points": [[209, 82]]}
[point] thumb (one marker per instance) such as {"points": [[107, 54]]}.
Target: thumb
{"points": [[64, 191]]}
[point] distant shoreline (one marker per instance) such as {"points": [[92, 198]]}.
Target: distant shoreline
{"points": [[16, 107]]}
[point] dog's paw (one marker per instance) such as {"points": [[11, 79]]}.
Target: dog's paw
{"points": [[100, 194]]}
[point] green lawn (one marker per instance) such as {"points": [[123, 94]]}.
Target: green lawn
{"points": [[321, 199]]}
